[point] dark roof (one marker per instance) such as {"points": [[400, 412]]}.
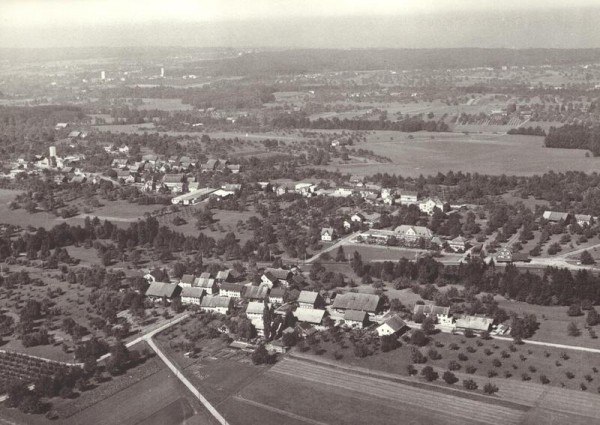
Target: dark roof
{"points": [[308, 297], [356, 301], [277, 292], [161, 289], [256, 292], [215, 301], [279, 273], [355, 316], [395, 322], [188, 291], [430, 309], [188, 278], [226, 286]]}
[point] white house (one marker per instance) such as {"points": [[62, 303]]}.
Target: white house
{"points": [[255, 310], [356, 319], [191, 295], [427, 206], [408, 198], [327, 234], [216, 304], [392, 326], [412, 233], [232, 290]]}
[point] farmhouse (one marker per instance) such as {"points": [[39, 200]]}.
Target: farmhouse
{"points": [[356, 319], [458, 244], [392, 326], [473, 323], [310, 299], [430, 310], [310, 315], [216, 304], [377, 236], [305, 189], [277, 295], [256, 293], [208, 284], [429, 205], [255, 310], [412, 233], [409, 198], [356, 301], [187, 280], [327, 234], [190, 295], [272, 277], [232, 290], [583, 219], [160, 290]]}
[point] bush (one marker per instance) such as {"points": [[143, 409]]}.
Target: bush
{"points": [[525, 377], [488, 352], [492, 373], [417, 357], [470, 369], [462, 357], [449, 378], [433, 354], [496, 363], [429, 374], [410, 369], [490, 388], [470, 385], [569, 374], [418, 338], [544, 379], [454, 365], [453, 346]]}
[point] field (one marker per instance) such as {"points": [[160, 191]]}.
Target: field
{"points": [[163, 105], [382, 253], [430, 153]]}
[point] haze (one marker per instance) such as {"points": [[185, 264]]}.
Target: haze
{"points": [[310, 23]]}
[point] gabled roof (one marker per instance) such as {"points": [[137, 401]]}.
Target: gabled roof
{"points": [[188, 278], [255, 307], [256, 292], [277, 293], [357, 301], [420, 231], [203, 282], [226, 286], [278, 273], [308, 297], [430, 309], [458, 240], [583, 217], [309, 315], [326, 231], [355, 316], [223, 274], [161, 289], [215, 301], [395, 323], [188, 291], [205, 275]]}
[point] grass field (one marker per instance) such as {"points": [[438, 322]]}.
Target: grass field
{"points": [[430, 153], [163, 105]]}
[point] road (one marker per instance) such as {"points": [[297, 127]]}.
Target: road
{"points": [[551, 344], [338, 243], [278, 411]]}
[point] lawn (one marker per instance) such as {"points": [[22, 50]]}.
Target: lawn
{"points": [[429, 153]]}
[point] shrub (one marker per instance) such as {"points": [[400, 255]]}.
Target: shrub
{"points": [[583, 387], [433, 354], [504, 354], [462, 357], [544, 379], [418, 338], [469, 384], [490, 388], [429, 374], [470, 369], [454, 365], [496, 363], [532, 369], [453, 346], [449, 378], [569, 374], [588, 378], [488, 352], [471, 349], [417, 357], [525, 377], [492, 373], [410, 369], [507, 374]]}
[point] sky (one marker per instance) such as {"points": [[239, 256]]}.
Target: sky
{"points": [[300, 23]]}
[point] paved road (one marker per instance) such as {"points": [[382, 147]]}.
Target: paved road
{"points": [[466, 411], [551, 344]]}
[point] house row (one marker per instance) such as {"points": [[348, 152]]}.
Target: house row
{"points": [[459, 323], [568, 218]]}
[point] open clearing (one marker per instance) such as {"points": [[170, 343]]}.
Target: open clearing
{"points": [[430, 153]]}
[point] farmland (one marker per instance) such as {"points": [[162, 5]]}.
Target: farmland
{"points": [[430, 153]]}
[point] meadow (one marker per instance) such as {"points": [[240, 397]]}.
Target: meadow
{"points": [[429, 153]]}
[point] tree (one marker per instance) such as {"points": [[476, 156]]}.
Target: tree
{"points": [[260, 355], [574, 310], [388, 343], [416, 356], [429, 374], [428, 326], [592, 317], [490, 388], [449, 378], [418, 338], [340, 255], [586, 258], [119, 359], [469, 384], [573, 330]]}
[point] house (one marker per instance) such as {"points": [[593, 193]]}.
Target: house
{"points": [[232, 290], [392, 326], [305, 189], [61, 125], [504, 255], [191, 295], [429, 205], [327, 234], [473, 323], [277, 295], [174, 182], [357, 218], [413, 233], [441, 314], [256, 293], [583, 219], [208, 284], [187, 280], [210, 165], [273, 277], [234, 168], [160, 290], [310, 315], [356, 301], [409, 198], [458, 244], [224, 276], [310, 299], [356, 319], [255, 310], [216, 304], [377, 236], [555, 217]]}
